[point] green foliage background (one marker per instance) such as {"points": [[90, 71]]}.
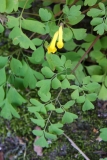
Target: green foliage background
{"points": [[33, 80]]}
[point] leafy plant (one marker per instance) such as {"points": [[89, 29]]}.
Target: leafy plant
{"points": [[33, 76]]}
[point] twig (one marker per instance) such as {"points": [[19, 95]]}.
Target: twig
{"points": [[82, 58], [76, 147]]}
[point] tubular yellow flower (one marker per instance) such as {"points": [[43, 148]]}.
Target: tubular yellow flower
{"points": [[51, 48], [60, 43]]}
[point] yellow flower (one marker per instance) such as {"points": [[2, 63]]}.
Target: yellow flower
{"points": [[51, 48], [60, 43]]}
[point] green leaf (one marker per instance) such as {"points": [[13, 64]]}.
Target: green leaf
{"points": [[50, 107], [103, 42], [2, 93], [94, 70], [74, 12], [59, 110], [97, 78], [44, 85], [101, 6], [56, 8], [23, 4], [103, 93], [68, 64], [3, 76], [44, 96], [66, 10], [8, 110], [80, 99], [103, 63], [56, 60], [90, 2], [100, 29], [86, 80], [37, 41], [105, 81], [37, 56], [72, 77], [39, 122], [50, 136], [67, 34], [20, 38], [12, 22], [3, 6], [94, 12], [56, 83], [41, 142], [75, 94], [97, 45], [46, 71], [79, 73], [53, 128], [96, 55], [77, 20], [63, 59], [97, 20], [44, 14], [103, 134], [35, 102], [65, 84], [1, 28], [33, 26], [50, 61], [38, 75], [91, 97], [11, 5], [16, 66], [38, 115], [39, 107], [74, 87], [79, 34], [68, 117], [29, 79], [69, 104], [93, 87], [3, 61], [14, 97], [87, 105], [68, 2], [89, 38], [37, 132]]}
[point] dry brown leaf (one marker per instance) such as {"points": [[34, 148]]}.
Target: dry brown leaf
{"points": [[95, 130], [99, 139], [1, 155], [38, 149]]}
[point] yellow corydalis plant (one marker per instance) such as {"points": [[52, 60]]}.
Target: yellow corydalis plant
{"points": [[58, 35]]}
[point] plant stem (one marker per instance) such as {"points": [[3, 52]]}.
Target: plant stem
{"points": [[88, 50], [23, 8]]}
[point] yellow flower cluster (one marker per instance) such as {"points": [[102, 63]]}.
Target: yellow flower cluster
{"points": [[58, 35]]}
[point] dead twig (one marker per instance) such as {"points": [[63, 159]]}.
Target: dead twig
{"points": [[76, 147]]}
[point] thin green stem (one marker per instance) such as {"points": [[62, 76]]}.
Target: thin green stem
{"points": [[22, 13], [47, 121], [23, 8]]}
